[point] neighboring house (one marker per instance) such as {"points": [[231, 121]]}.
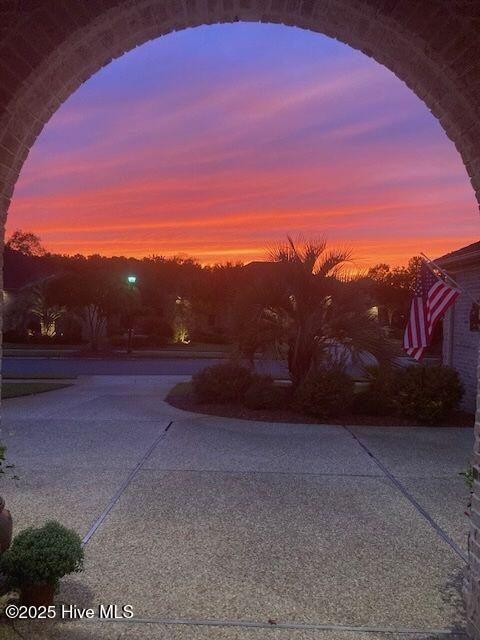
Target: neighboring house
{"points": [[461, 326]]}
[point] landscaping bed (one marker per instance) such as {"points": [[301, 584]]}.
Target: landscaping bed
{"points": [[183, 397], [18, 389]]}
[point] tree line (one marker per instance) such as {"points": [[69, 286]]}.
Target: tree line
{"points": [[178, 299]]}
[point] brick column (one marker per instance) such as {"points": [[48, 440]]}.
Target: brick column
{"points": [[3, 218], [472, 581], [48, 48]]}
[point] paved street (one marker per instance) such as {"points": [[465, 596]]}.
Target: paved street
{"points": [[14, 366], [102, 366], [211, 528], [131, 366]]}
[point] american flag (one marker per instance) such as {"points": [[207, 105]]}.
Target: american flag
{"points": [[431, 300]]}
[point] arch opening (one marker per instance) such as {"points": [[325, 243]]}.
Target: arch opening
{"points": [[47, 54]]}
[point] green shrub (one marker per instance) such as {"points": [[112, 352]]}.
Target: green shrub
{"points": [[214, 336], [427, 394], [468, 476], [222, 383], [325, 393], [264, 394], [43, 555], [379, 398]]}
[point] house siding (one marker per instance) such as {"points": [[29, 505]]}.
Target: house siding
{"points": [[460, 344]]}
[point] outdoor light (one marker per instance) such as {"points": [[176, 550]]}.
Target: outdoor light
{"points": [[131, 279]]}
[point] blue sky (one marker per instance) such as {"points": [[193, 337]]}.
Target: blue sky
{"points": [[217, 141]]}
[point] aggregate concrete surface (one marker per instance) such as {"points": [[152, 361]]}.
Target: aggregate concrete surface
{"points": [[230, 520]]}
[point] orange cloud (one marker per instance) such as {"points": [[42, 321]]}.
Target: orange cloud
{"points": [[173, 149]]}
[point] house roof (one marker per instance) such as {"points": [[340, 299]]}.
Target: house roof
{"points": [[466, 256], [263, 264]]}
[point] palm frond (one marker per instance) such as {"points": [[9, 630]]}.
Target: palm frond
{"points": [[332, 263], [281, 252]]}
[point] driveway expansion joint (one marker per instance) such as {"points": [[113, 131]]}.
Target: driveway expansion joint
{"points": [[256, 472], [126, 483], [453, 633], [394, 480]]}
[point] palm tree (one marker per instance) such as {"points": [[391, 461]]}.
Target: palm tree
{"points": [[44, 309], [320, 315], [261, 319]]}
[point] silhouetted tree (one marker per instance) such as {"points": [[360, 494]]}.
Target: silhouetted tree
{"points": [[26, 243], [392, 288], [314, 313], [43, 306], [94, 296]]}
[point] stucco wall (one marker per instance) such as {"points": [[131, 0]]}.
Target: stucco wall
{"points": [[460, 345]]}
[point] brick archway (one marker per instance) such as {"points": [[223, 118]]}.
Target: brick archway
{"points": [[48, 49]]}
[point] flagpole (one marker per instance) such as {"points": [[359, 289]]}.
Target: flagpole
{"points": [[449, 278]]}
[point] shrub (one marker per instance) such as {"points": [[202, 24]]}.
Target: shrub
{"points": [[12, 336], [264, 394], [214, 336], [325, 393], [42, 556], [222, 383], [379, 398], [468, 476], [160, 332], [427, 394]]}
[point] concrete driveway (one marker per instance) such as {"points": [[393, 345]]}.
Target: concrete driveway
{"points": [[215, 528]]}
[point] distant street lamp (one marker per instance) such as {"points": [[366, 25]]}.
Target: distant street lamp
{"points": [[131, 281]]}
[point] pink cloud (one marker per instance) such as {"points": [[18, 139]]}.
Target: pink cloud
{"points": [[209, 161]]}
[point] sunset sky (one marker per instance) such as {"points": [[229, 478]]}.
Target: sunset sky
{"points": [[217, 141]]}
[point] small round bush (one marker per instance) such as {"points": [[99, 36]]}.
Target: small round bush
{"points": [[264, 394], [379, 398], [42, 556], [222, 383], [428, 394], [325, 393]]}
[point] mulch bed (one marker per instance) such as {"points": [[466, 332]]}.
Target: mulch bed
{"points": [[187, 402]]}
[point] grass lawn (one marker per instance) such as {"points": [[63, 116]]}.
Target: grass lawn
{"points": [[199, 346], [27, 352], [38, 376], [19, 346], [193, 350], [181, 389], [17, 389]]}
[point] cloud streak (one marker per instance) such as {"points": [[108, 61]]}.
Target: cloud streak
{"points": [[219, 140]]}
